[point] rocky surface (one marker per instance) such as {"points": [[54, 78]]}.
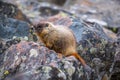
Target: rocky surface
{"points": [[30, 61], [99, 11], [10, 28], [94, 45], [11, 11], [115, 69], [4, 45]]}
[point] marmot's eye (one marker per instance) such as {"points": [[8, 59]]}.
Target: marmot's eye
{"points": [[46, 25]]}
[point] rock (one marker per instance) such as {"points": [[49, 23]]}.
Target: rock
{"points": [[102, 11], [2, 49], [93, 42], [11, 11], [30, 61], [48, 11], [60, 3], [12, 27], [12, 31], [115, 69], [4, 45], [97, 21], [110, 33]]}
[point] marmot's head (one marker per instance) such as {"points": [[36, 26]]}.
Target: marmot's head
{"points": [[43, 27]]}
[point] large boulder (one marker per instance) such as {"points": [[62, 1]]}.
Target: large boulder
{"points": [[30, 61]]}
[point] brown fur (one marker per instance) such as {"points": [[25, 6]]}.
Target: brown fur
{"points": [[58, 38]]}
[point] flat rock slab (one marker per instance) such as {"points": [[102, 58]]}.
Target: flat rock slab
{"points": [[12, 27]]}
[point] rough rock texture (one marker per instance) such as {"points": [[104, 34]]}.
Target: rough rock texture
{"points": [[12, 27], [98, 11], [115, 69], [11, 11], [4, 45], [92, 41], [94, 45], [30, 61]]}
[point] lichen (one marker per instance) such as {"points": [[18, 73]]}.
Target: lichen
{"points": [[33, 53], [69, 68], [93, 50], [46, 70], [61, 74]]}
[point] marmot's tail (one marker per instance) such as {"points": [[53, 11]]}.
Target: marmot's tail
{"points": [[76, 55]]}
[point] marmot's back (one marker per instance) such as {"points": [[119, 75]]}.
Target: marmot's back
{"points": [[63, 40]]}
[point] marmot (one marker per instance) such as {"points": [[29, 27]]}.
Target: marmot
{"points": [[58, 38]]}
